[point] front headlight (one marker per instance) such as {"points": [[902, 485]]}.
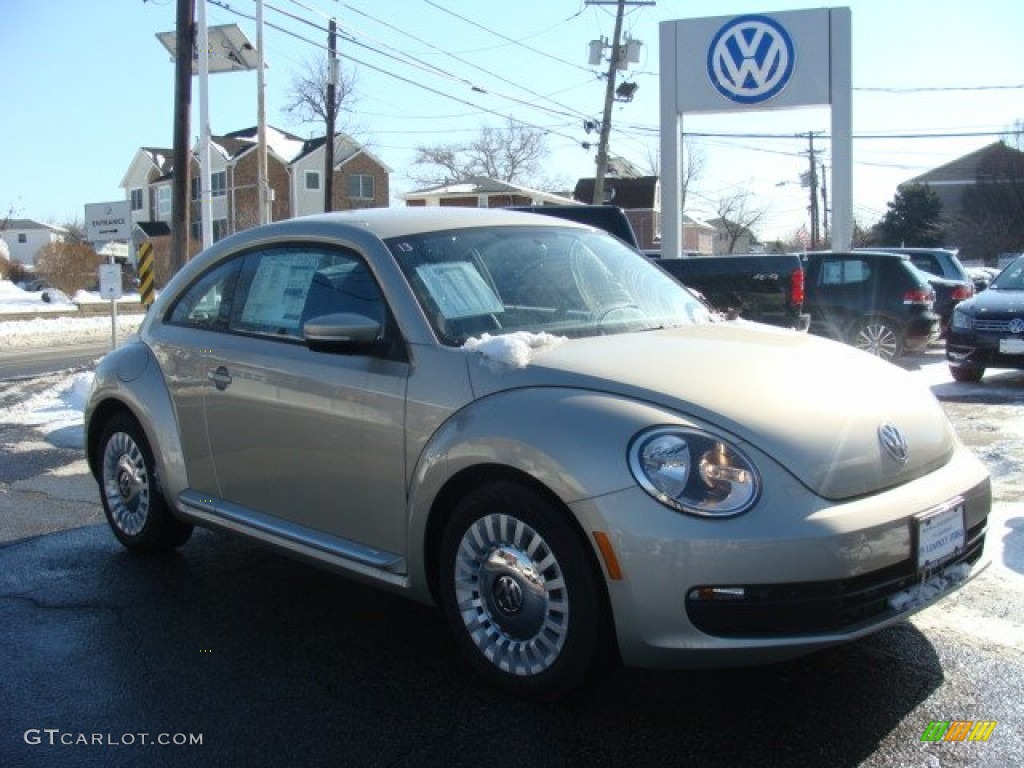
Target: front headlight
{"points": [[961, 320], [694, 472]]}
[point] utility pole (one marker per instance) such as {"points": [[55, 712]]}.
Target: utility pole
{"points": [[813, 184], [609, 97], [332, 85], [184, 45], [824, 204], [264, 201]]}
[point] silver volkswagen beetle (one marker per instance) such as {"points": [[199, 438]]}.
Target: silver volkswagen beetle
{"points": [[523, 421]]}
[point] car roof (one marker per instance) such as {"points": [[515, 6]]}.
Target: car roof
{"points": [[395, 222], [862, 252]]}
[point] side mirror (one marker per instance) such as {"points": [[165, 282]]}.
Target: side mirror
{"points": [[343, 333]]}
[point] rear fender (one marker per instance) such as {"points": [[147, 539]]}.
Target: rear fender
{"points": [[129, 380]]}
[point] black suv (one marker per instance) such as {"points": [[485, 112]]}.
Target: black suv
{"points": [[878, 302], [946, 274]]}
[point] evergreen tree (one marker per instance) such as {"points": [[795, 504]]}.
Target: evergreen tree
{"points": [[914, 218]]}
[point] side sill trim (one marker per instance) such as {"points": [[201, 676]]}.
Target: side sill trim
{"points": [[332, 550]]}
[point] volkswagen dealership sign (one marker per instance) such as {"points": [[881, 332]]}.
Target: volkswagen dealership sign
{"points": [[756, 62], [750, 59], [764, 61]]}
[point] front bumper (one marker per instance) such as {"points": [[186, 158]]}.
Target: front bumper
{"points": [[981, 350], [814, 573]]}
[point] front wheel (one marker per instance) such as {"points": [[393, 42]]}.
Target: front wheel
{"points": [[878, 336], [520, 592], [970, 373], [135, 508]]}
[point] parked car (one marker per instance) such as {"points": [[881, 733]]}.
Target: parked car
{"points": [[876, 301], [948, 277], [982, 277], [527, 422], [988, 330]]}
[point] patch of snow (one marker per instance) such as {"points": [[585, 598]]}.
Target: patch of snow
{"points": [[93, 297], [47, 331], [511, 350], [56, 412], [14, 299]]}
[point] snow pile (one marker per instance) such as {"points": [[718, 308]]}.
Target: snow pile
{"points": [[511, 350], [14, 299], [49, 331]]}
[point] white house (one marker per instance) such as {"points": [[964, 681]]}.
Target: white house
{"points": [[26, 237]]}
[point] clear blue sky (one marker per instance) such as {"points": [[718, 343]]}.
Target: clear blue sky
{"points": [[87, 83]]}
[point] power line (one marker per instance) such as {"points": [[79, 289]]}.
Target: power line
{"points": [[395, 76]]}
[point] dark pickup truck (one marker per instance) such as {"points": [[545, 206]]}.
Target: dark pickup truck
{"points": [[760, 288]]}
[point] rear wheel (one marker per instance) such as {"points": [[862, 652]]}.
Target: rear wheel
{"points": [[520, 592], [966, 372], [879, 337], [134, 506]]}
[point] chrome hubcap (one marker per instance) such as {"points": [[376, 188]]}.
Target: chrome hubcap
{"points": [[511, 594], [878, 339], [126, 483]]}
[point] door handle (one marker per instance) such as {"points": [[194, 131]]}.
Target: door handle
{"points": [[220, 378]]}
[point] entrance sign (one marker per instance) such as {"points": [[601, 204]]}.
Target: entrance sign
{"points": [[105, 222], [765, 61], [108, 221]]}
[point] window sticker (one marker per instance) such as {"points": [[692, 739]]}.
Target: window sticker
{"points": [[459, 290], [279, 289]]}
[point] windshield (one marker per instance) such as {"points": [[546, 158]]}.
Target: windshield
{"points": [[563, 281], [1011, 278]]}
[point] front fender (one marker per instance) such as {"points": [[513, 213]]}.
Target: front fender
{"points": [[573, 442], [129, 379]]}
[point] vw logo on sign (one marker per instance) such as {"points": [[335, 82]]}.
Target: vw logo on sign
{"points": [[1017, 325], [751, 59]]}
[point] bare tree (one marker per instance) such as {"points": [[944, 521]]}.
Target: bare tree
{"points": [[68, 265], [694, 163], [307, 102], [738, 216], [513, 154]]}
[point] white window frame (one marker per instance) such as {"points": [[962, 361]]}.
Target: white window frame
{"points": [[362, 183], [219, 189], [163, 200], [137, 198], [312, 175]]}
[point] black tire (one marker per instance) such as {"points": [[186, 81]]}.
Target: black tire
{"points": [[879, 337], [969, 373], [135, 508], [520, 591]]}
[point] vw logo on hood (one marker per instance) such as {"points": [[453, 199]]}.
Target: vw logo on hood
{"points": [[894, 443], [1017, 325], [751, 59]]}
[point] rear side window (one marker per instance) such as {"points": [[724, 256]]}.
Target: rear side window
{"points": [[845, 272], [208, 303], [927, 263]]}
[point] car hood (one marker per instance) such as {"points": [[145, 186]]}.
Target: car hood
{"points": [[814, 405], [995, 302]]}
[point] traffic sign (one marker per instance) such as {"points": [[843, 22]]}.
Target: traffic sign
{"points": [[108, 221]]}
